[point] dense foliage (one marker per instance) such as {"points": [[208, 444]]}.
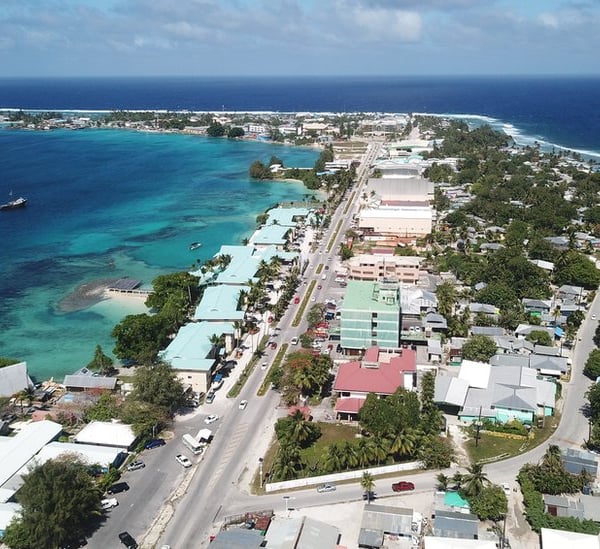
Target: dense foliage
{"points": [[479, 348], [60, 505]]}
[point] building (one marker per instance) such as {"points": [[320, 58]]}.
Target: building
{"points": [[370, 316], [102, 456], [453, 524], [373, 267], [379, 373], [559, 539], [301, 533], [434, 542], [192, 354], [220, 303], [575, 461], [107, 433], [379, 520], [87, 382], [403, 221], [403, 189], [14, 379]]}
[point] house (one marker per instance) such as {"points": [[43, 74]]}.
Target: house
{"points": [[192, 354], [370, 315], [379, 520], [435, 542], [536, 306], [373, 267], [103, 456], [14, 378], [574, 294], [107, 433], [452, 524], [86, 381], [575, 461], [497, 393], [489, 331], [559, 539], [403, 221], [483, 309], [220, 303], [433, 322], [378, 372], [301, 533]]}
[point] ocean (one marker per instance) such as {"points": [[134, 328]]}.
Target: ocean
{"points": [[110, 203]]}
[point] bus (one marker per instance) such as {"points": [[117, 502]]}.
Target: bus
{"points": [[195, 446]]}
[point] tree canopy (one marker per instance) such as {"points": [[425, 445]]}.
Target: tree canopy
{"points": [[140, 337], [479, 348], [158, 385], [391, 415], [60, 505]]}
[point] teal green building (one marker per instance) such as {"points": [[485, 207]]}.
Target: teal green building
{"points": [[371, 315]]}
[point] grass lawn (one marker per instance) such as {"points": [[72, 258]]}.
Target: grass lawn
{"points": [[330, 432], [493, 448]]}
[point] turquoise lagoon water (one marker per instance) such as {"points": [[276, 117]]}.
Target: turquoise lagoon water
{"points": [[113, 203]]}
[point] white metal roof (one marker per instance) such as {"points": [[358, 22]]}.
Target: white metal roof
{"points": [[558, 539], [8, 511], [106, 433], [88, 453], [435, 542], [16, 451], [476, 374]]}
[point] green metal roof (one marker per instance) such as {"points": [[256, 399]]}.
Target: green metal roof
{"points": [[371, 296]]}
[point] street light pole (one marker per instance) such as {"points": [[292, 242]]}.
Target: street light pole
{"points": [[286, 499], [260, 470]]}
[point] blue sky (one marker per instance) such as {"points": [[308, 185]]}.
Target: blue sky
{"points": [[298, 37]]}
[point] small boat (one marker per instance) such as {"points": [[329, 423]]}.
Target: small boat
{"points": [[14, 204], [195, 245]]}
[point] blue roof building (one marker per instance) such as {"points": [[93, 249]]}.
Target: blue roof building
{"points": [[220, 304]]}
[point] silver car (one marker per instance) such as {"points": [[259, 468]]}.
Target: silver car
{"points": [[326, 488]]}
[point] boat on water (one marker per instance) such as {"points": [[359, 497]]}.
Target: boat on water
{"points": [[14, 204], [195, 245]]}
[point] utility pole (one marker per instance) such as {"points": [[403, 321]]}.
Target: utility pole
{"points": [[478, 428]]}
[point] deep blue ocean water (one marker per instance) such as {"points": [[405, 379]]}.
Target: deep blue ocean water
{"points": [[107, 203]]}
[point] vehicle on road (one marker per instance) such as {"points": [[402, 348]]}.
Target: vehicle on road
{"points": [[296, 300], [403, 486], [109, 503], [326, 488], [319, 287], [264, 366], [506, 488], [294, 341], [135, 465], [210, 397], [193, 444], [242, 405], [127, 540], [273, 345], [593, 317], [155, 443], [117, 488], [369, 496], [182, 460], [211, 419]]}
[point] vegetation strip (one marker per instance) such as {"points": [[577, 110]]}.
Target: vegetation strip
{"points": [[276, 363], [335, 235], [303, 305], [349, 202]]}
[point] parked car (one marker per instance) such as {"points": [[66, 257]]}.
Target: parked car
{"points": [[211, 419], [294, 341], [135, 465], [117, 488], [403, 486], [506, 488], [326, 488], [210, 397], [369, 496], [182, 460], [264, 366], [242, 405], [273, 345], [109, 503], [155, 443], [127, 540]]}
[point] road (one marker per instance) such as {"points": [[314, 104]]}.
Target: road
{"points": [[215, 486]]}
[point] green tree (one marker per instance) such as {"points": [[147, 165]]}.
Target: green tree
{"points": [[435, 452], [259, 171], [235, 132], [104, 409], [479, 348], [101, 362], [539, 337], [404, 444], [315, 314], [158, 385], [60, 505], [490, 503], [216, 130], [367, 484], [365, 452], [431, 416], [592, 364], [147, 419], [180, 286], [288, 462], [333, 460], [474, 481], [446, 298], [443, 481], [140, 337]]}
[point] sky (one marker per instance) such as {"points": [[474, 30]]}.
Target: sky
{"points": [[298, 37]]}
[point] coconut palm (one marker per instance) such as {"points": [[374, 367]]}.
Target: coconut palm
{"points": [[367, 483], [474, 481], [380, 449], [300, 430], [404, 444], [349, 453], [552, 458], [365, 453], [333, 459], [288, 462], [443, 481], [457, 480]]}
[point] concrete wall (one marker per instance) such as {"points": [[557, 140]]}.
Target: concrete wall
{"points": [[335, 477]]}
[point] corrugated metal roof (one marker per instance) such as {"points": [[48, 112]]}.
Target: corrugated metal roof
{"points": [[317, 534], [450, 524], [390, 520], [106, 433], [16, 451], [237, 538], [90, 382], [13, 379]]}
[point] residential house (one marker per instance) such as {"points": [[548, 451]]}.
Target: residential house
{"points": [[379, 520], [107, 433], [575, 461], [377, 372], [14, 378], [452, 524], [559, 539]]}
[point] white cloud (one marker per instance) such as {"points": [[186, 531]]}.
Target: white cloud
{"points": [[388, 24], [549, 20]]}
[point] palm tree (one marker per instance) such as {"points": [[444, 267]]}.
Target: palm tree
{"points": [[474, 480], [27, 394], [404, 443], [349, 453], [333, 459], [364, 452], [457, 480], [367, 483], [288, 462], [446, 298], [443, 481], [380, 449], [300, 429]]}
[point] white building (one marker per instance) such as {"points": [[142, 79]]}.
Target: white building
{"points": [[400, 221], [107, 433]]}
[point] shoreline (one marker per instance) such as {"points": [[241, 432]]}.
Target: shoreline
{"points": [[91, 293]]}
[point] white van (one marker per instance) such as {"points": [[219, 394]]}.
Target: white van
{"points": [[193, 444]]}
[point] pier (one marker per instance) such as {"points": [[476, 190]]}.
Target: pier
{"points": [[128, 286]]}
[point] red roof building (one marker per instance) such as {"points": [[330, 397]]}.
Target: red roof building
{"points": [[379, 373]]}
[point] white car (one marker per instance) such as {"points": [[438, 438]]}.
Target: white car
{"points": [[506, 488], [182, 460], [211, 419], [109, 503], [326, 488], [263, 366], [593, 317], [242, 405]]}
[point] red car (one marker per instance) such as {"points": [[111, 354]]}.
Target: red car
{"points": [[273, 345], [296, 300], [402, 486]]}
